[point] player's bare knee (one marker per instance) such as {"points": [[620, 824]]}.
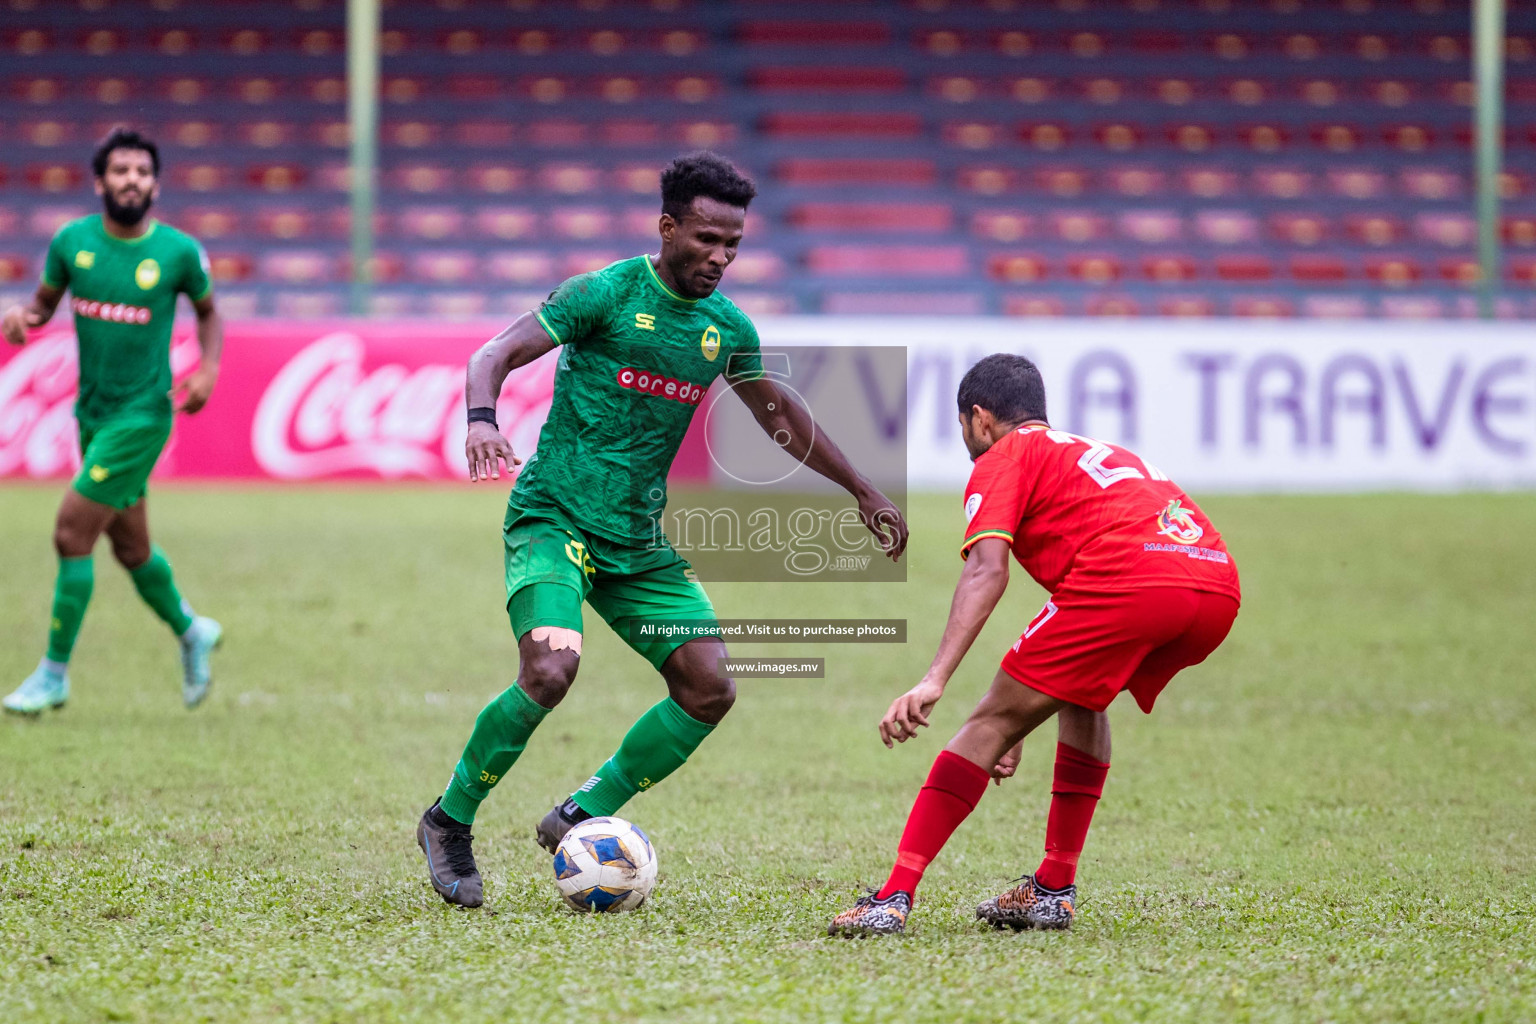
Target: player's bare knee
{"points": [[130, 554], [708, 698], [546, 674], [70, 540]]}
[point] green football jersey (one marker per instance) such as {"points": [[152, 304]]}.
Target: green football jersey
{"points": [[123, 293], [635, 363]]}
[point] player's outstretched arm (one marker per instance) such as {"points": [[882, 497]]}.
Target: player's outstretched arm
{"points": [[19, 319], [981, 586], [518, 345], [780, 417], [193, 393]]}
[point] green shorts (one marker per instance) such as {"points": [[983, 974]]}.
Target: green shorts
{"points": [[116, 458], [552, 566]]}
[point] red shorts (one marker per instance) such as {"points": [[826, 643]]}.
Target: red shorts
{"points": [[1085, 648]]}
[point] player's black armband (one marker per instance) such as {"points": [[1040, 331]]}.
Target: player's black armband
{"points": [[483, 414]]}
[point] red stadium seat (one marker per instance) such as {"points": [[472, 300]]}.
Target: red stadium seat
{"points": [[1520, 231], [1136, 182], [693, 88], [1169, 268], [1186, 306], [1264, 138], [443, 267], [1031, 90], [988, 179], [1321, 92], [1282, 182], [1111, 305], [1062, 182], [703, 134], [47, 134], [297, 266], [638, 179], [1374, 229], [258, 91], [917, 218], [1451, 230], [1177, 92], [1432, 183], [13, 268], [230, 267], [1521, 270], [318, 42], [1191, 137], [1227, 227], [586, 261], [631, 133], [173, 42], [324, 89], [901, 261], [1335, 137], [54, 177], [581, 223], [410, 134], [460, 42], [570, 178], [39, 91], [434, 223], [1033, 305], [267, 134], [1408, 138], [421, 177], [1094, 268], [403, 89], [521, 266], [944, 42], [113, 90], [973, 134], [1101, 92], [1461, 270], [1245, 268], [1394, 271], [1118, 137], [621, 88], [495, 179], [1017, 267], [1078, 225], [285, 222], [1262, 307], [28, 42], [1002, 225], [505, 222], [903, 303], [44, 221], [828, 79], [456, 305], [1211, 182], [1412, 307], [957, 88], [564, 133], [1151, 227], [814, 33], [247, 42], [788, 124], [842, 171], [1014, 43], [1319, 269], [754, 267], [1300, 228], [209, 222], [1335, 307]]}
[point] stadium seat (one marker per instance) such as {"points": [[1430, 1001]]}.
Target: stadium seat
{"points": [[1226, 227], [901, 261], [913, 218], [54, 177], [828, 79], [808, 34], [1112, 306], [1319, 269], [1306, 229], [1151, 227], [903, 303], [422, 178], [1266, 307], [797, 124], [581, 223], [1094, 268], [1244, 268], [14, 267], [296, 266], [1335, 307], [988, 179], [1186, 306], [843, 171], [1078, 226], [1033, 305], [569, 178], [432, 223], [1394, 271], [1451, 230], [1017, 267], [443, 266], [495, 178], [1169, 268], [1135, 182], [284, 222]]}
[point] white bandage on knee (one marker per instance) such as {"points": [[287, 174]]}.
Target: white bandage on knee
{"points": [[558, 638]]}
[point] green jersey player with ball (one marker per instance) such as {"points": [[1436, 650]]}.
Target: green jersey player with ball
{"points": [[640, 343], [124, 271]]}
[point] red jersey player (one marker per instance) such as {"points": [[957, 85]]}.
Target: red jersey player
{"points": [[1141, 587]]}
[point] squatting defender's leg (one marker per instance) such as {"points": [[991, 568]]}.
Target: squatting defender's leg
{"points": [[548, 662], [660, 741], [955, 785]]}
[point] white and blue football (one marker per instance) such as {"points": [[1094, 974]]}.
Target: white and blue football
{"points": [[605, 865]]}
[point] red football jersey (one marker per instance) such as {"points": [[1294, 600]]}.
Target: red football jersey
{"points": [[1087, 515]]}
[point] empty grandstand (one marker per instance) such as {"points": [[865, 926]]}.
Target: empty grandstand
{"points": [[1075, 157]]}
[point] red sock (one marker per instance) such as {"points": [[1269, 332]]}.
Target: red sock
{"points": [[1074, 794], [953, 789]]}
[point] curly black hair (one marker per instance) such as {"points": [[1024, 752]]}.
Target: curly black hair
{"points": [[1008, 386], [703, 174], [123, 137]]}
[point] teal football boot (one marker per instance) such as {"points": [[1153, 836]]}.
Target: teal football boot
{"points": [[41, 690], [197, 646]]}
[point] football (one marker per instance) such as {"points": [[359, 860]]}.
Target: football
{"points": [[605, 865]]}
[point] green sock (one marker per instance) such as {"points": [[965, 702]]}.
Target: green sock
{"points": [[655, 747], [157, 586], [71, 593], [501, 733]]}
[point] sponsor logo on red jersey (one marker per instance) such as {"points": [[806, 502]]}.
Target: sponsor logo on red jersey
{"points": [[1175, 523], [650, 383]]}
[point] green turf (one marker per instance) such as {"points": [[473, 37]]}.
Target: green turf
{"points": [[1332, 820]]}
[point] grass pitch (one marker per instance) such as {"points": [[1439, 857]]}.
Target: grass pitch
{"points": [[1333, 819]]}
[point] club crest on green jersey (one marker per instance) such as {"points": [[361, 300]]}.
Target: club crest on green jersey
{"points": [[147, 275], [710, 343]]}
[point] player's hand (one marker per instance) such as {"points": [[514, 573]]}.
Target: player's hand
{"points": [[486, 450], [909, 711], [17, 322], [885, 521], [193, 393], [1007, 764]]}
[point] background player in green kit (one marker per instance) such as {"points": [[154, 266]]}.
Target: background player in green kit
{"points": [[641, 342], [123, 270]]}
